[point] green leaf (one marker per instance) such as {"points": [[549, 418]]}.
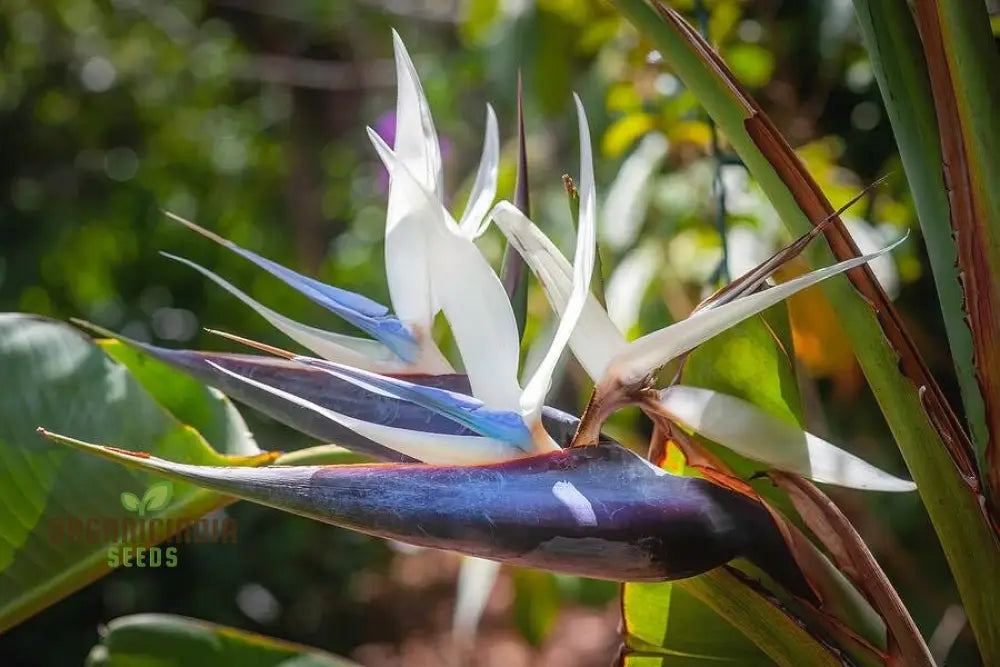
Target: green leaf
{"points": [[751, 361], [537, 601], [907, 397], [699, 630], [897, 59], [130, 501], [65, 382], [666, 619], [963, 62], [204, 408], [157, 496], [163, 640]]}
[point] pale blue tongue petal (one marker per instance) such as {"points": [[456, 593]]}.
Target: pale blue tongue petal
{"points": [[367, 315], [427, 447], [360, 352], [463, 409]]}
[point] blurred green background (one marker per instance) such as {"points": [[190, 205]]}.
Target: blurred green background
{"points": [[248, 116]]}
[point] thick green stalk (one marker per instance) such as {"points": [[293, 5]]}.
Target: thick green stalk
{"points": [[893, 44], [962, 65], [907, 399]]}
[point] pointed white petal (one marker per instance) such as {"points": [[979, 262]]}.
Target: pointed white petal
{"points": [[416, 142], [630, 282], [484, 189], [595, 340], [416, 145], [426, 447], [358, 352], [628, 197], [652, 351], [420, 201], [406, 268], [746, 429], [469, 292], [537, 388], [476, 580]]}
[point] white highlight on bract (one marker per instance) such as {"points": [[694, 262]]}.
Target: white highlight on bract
{"points": [[575, 502]]}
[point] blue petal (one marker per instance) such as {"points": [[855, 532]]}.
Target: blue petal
{"points": [[367, 315], [465, 410]]}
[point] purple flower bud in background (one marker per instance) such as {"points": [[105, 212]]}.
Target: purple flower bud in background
{"points": [[385, 127]]}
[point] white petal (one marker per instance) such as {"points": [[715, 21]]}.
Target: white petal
{"points": [[537, 388], [417, 146], [595, 340], [746, 429], [652, 351], [427, 447], [406, 265], [628, 198], [476, 579], [484, 189], [358, 352], [416, 142], [469, 292], [630, 281]]}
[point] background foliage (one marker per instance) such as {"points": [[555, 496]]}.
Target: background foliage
{"points": [[249, 116]]}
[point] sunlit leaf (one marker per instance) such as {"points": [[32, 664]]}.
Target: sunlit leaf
{"points": [[174, 641], [68, 383], [204, 408]]}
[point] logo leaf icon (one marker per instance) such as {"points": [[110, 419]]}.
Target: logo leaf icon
{"points": [[130, 501], [157, 497]]}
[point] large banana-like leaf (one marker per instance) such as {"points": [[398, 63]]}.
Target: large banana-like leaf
{"points": [[64, 381], [165, 640], [206, 409]]}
